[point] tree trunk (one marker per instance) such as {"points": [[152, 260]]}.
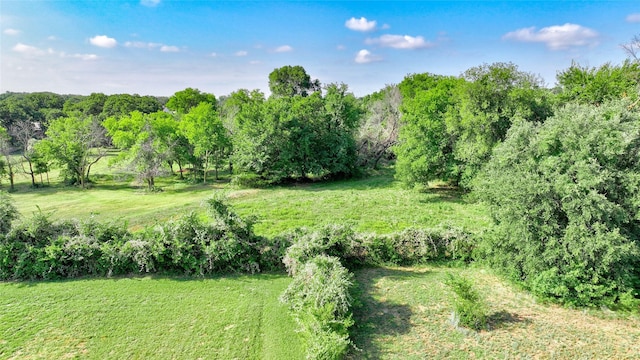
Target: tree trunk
{"points": [[33, 176]]}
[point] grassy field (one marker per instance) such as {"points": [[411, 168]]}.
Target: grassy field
{"points": [[236, 317], [405, 313], [373, 204]]}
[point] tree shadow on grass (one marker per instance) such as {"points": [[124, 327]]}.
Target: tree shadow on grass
{"points": [[374, 316], [504, 319]]}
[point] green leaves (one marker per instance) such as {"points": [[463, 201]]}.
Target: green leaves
{"points": [[564, 198]]}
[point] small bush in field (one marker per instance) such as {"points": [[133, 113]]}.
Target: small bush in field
{"points": [[470, 309]]}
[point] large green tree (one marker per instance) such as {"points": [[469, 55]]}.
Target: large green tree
{"points": [[596, 85], [147, 142], [290, 81], [454, 124], [297, 137], [425, 148], [204, 130], [183, 101], [75, 145]]}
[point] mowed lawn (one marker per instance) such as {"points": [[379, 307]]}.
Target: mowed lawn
{"points": [[231, 317], [405, 313]]}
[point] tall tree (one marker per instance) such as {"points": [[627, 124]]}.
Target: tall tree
{"points": [[183, 101], [74, 143], [493, 97], [203, 129], [25, 133], [147, 141], [290, 81], [597, 85], [425, 148], [379, 131], [6, 150]]}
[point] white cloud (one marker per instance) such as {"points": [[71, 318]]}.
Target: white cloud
{"points": [[213, 54], [633, 18], [283, 48], [241, 53], [84, 56], [149, 3], [103, 41], [169, 48], [361, 24], [255, 62], [11, 32], [141, 45], [400, 42], [27, 49], [364, 56], [341, 47], [557, 37]]}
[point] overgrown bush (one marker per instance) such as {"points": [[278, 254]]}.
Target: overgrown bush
{"points": [[411, 246], [321, 303], [41, 249], [565, 199], [8, 213], [470, 309]]}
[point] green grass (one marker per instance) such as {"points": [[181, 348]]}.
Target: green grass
{"points": [[405, 313], [373, 204], [235, 317]]}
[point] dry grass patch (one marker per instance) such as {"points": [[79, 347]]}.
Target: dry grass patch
{"points": [[405, 313]]}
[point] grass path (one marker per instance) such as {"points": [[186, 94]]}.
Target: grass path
{"points": [[234, 317], [405, 313]]}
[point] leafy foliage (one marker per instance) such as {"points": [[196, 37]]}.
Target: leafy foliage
{"points": [[297, 137], [320, 300], [289, 81], [8, 212], [595, 86], [470, 309], [564, 196]]}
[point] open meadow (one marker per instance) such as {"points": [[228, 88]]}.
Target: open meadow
{"points": [[372, 204], [399, 312]]}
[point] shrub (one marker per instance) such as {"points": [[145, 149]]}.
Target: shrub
{"points": [[470, 310], [8, 213], [321, 303], [565, 199]]}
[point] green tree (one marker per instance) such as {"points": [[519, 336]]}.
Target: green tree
{"points": [[492, 98], [296, 137], [595, 86], [124, 104], [203, 128], [425, 148], [6, 150], [564, 196], [147, 141], [290, 81], [74, 144], [183, 101]]}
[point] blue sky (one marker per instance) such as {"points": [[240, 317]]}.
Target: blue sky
{"points": [[158, 47]]}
